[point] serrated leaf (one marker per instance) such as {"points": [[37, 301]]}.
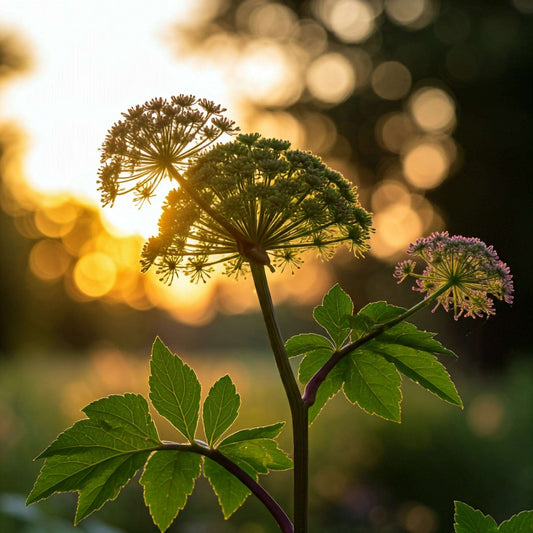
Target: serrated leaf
{"points": [[168, 480], [380, 312], [421, 367], [333, 315], [97, 456], [263, 432], [306, 343], [260, 455], [231, 492], [174, 390], [469, 520], [374, 384], [255, 455], [519, 523], [221, 408], [408, 348]]}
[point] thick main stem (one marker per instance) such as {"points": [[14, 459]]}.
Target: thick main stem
{"points": [[276, 511], [300, 435]]}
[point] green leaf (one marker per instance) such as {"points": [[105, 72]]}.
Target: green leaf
{"points": [[97, 456], [408, 348], [469, 520], [259, 455], [253, 450], [374, 383], [306, 343], [402, 333], [168, 480], [421, 367], [231, 492], [519, 523], [333, 315], [174, 390], [263, 432], [221, 408]]}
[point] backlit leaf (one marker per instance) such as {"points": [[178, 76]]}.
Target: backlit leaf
{"points": [[174, 390], [469, 520], [333, 314], [221, 408], [168, 480], [97, 456]]}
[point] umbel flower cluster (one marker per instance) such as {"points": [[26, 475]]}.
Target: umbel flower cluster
{"points": [[472, 271], [139, 150], [259, 201]]}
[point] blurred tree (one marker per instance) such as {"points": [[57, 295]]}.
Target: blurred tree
{"points": [[425, 105]]}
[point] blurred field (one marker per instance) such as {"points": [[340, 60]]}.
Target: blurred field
{"points": [[367, 475]]}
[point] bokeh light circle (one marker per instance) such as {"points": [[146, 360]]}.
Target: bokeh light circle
{"points": [[331, 78], [95, 274], [426, 165], [391, 80], [433, 109]]}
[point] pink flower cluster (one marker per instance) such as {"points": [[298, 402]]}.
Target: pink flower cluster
{"points": [[471, 271]]}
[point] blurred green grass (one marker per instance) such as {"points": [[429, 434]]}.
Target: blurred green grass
{"points": [[367, 475]]}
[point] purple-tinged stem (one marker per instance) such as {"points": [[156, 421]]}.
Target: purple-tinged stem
{"points": [[264, 497]]}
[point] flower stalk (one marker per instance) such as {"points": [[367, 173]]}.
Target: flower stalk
{"points": [[299, 410]]}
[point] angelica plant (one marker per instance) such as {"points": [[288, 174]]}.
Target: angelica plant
{"points": [[253, 206]]}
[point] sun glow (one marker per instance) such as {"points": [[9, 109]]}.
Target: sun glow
{"points": [[92, 61]]}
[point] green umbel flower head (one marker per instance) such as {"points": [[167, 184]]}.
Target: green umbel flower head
{"points": [[153, 138], [254, 199]]}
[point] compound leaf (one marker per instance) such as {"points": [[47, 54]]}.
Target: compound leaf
{"points": [[168, 480], [174, 390]]}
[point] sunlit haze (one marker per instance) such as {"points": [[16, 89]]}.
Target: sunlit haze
{"points": [[91, 61]]}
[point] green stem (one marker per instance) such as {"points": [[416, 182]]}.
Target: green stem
{"points": [[298, 409], [314, 383]]}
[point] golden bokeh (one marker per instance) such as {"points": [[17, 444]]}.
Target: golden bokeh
{"points": [[389, 192], [267, 73], [391, 80], [270, 20], [95, 274], [352, 21], [394, 130], [331, 78], [426, 164], [396, 226], [49, 260], [414, 14], [433, 110]]}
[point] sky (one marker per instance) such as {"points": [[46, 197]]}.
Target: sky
{"points": [[92, 60]]}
